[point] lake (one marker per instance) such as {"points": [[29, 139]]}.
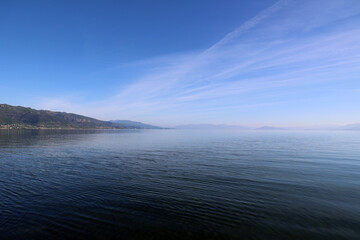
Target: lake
{"points": [[179, 184]]}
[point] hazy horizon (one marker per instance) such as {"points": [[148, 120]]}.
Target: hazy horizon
{"points": [[280, 63]]}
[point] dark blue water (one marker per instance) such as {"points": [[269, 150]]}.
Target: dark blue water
{"points": [[179, 184]]}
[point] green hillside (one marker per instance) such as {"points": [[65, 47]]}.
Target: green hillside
{"points": [[22, 117]]}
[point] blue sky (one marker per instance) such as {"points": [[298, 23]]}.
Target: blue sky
{"points": [[281, 63]]}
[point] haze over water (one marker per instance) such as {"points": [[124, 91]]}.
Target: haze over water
{"points": [[179, 184]]}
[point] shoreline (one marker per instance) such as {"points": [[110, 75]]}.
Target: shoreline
{"points": [[42, 128]]}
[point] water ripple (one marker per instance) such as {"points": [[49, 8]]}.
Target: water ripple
{"points": [[179, 185]]}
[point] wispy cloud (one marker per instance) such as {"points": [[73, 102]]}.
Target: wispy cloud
{"points": [[290, 45], [249, 24]]}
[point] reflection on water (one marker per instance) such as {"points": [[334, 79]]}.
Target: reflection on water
{"points": [[179, 184]]}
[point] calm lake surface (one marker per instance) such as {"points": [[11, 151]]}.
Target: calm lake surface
{"points": [[179, 184]]}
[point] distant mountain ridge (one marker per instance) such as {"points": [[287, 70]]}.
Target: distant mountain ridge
{"points": [[134, 125], [352, 127], [209, 126], [269, 128], [22, 117], [355, 126], [18, 117]]}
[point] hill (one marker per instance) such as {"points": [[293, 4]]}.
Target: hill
{"points": [[134, 125], [22, 117]]}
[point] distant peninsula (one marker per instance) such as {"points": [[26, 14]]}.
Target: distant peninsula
{"points": [[134, 125], [18, 117]]}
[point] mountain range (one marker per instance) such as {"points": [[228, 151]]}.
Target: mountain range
{"points": [[355, 126], [134, 125], [17, 117], [209, 126], [269, 128]]}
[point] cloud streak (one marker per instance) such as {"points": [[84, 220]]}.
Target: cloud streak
{"points": [[276, 52]]}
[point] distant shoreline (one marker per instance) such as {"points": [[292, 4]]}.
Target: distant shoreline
{"points": [[45, 128]]}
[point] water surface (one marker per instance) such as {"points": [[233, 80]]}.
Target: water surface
{"points": [[179, 184]]}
